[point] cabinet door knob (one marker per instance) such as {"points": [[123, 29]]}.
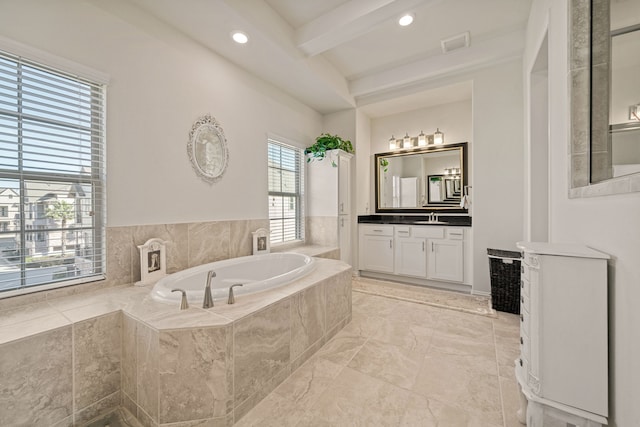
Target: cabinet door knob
{"points": [[522, 284], [520, 362], [522, 269], [521, 341], [521, 318]]}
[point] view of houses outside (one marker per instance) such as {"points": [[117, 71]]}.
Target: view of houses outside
{"points": [[57, 233]]}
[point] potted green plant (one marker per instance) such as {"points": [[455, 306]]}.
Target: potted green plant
{"points": [[327, 142]]}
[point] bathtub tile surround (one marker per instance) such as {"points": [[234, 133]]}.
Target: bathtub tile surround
{"points": [[261, 349], [147, 346], [36, 377], [308, 319], [322, 230], [88, 353], [195, 369], [97, 359], [188, 245]]}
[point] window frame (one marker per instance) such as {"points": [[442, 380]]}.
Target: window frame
{"points": [[298, 195], [61, 68]]}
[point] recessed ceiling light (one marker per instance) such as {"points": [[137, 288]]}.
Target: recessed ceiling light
{"points": [[239, 37], [406, 20]]}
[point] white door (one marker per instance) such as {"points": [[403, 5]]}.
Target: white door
{"points": [[411, 256], [376, 253], [344, 234], [444, 260]]}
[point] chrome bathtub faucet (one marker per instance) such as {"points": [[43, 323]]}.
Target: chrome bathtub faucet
{"points": [[208, 299], [183, 302], [232, 299]]}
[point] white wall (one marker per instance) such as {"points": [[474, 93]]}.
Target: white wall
{"points": [[453, 119], [609, 224], [160, 83], [498, 177]]}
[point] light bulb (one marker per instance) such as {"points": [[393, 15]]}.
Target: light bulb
{"points": [[438, 137]]}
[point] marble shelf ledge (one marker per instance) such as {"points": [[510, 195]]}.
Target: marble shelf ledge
{"points": [[318, 251]]}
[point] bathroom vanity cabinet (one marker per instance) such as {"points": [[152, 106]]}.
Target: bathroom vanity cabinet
{"points": [[413, 252], [562, 369]]}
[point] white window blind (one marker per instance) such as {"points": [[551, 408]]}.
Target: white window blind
{"points": [[286, 184], [52, 177]]}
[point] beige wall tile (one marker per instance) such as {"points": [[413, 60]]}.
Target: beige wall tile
{"points": [[240, 237], [120, 253], [102, 407], [208, 242], [147, 355], [36, 379], [307, 319], [129, 363], [338, 305], [97, 344], [195, 367], [261, 349]]}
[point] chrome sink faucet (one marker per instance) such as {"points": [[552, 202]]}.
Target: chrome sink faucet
{"points": [[208, 299]]}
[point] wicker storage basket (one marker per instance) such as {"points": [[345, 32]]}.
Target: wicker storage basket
{"points": [[504, 268]]}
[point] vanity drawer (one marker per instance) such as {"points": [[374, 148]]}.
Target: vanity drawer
{"points": [[455, 233], [403, 231], [428, 231], [377, 230]]}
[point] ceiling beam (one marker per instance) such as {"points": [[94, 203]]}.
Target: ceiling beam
{"points": [[348, 21]]}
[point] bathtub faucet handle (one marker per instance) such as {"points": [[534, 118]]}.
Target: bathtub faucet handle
{"points": [[183, 302], [232, 299], [208, 299]]}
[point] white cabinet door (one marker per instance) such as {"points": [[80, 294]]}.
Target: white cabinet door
{"points": [[344, 235], [344, 184], [411, 256], [444, 260], [376, 253]]}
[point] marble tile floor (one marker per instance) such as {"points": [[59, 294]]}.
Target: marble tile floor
{"points": [[401, 363]]}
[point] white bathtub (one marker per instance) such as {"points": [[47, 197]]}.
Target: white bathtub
{"points": [[256, 273]]}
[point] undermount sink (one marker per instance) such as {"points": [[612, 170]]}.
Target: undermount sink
{"points": [[431, 222]]}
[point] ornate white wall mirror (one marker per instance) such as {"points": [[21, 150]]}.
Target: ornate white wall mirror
{"points": [[207, 149]]}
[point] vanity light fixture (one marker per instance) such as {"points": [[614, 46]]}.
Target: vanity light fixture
{"points": [[438, 137], [406, 19], [422, 139], [392, 143], [239, 37], [406, 141]]}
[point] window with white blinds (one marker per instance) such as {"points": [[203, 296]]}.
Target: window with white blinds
{"points": [[52, 177], [286, 184]]}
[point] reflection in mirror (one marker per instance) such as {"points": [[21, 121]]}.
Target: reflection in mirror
{"points": [[624, 113], [421, 179]]}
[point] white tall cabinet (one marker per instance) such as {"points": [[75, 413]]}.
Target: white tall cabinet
{"points": [[563, 365], [329, 189]]}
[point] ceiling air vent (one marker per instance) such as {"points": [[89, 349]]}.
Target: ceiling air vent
{"points": [[455, 42]]}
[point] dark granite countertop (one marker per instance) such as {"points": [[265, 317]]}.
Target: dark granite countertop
{"points": [[454, 220]]}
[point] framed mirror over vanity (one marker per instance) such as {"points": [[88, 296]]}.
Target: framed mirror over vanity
{"points": [[421, 180]]}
